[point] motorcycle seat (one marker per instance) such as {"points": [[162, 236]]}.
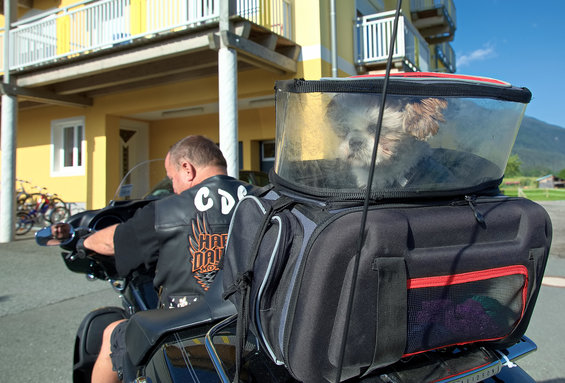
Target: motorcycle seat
{"points": [[146, 328]]}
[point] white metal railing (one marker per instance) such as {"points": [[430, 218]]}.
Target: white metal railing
{"points": [[165, 15], [92, 25], [373, 35], [417, 5], [30, 44], [276, 15]]}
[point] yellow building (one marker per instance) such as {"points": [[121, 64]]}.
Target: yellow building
{"points": [[101, 85]]}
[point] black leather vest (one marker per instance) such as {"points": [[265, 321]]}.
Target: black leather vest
{"points": [[192, 230]]}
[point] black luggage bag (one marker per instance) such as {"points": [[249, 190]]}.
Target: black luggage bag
{"points": [[445, 261]]}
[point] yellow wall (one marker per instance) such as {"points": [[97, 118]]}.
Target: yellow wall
{"points": [[38, 4], [102, 122], [47, 4], [307, 34], [390, 5], [313, 34], [346, 16], [33, 157], [254, 125]]}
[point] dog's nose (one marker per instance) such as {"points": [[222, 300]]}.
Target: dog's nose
{"points": [[355, 143]]}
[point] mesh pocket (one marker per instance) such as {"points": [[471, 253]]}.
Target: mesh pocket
{"points": [[464, 308]]}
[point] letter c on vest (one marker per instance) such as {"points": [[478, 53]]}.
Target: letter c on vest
{"points": [[201, 200]]}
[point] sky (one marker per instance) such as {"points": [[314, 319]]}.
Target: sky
{"points": [[518, 41]]}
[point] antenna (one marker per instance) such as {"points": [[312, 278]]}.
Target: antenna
{"points": [[361, 240]]}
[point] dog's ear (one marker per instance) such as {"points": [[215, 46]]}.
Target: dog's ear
{"points": [[422, 118]]}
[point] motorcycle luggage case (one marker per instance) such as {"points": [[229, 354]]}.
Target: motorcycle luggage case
{"points": [[430, 276], [445, 260]]}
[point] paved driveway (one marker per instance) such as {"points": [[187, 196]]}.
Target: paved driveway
{"points": [[42, 304]]}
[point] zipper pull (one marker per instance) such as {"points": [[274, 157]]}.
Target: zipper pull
{"points": [[478, 216]]}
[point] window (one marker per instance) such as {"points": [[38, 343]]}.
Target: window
{"points": [[267, 155], [67, 145]]}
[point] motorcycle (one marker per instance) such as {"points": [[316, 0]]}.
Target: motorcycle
{"points": [[198, 343], [135, 291]]}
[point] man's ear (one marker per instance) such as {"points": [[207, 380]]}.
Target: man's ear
{"points": [[188, 170]]}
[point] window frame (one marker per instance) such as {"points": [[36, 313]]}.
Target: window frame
{"points": [[266, 163], [58, 153]]}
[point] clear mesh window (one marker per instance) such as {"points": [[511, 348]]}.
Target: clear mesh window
{"points": [[325, 140]]}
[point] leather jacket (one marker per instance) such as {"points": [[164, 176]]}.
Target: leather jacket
{"points": [[192, 229]]}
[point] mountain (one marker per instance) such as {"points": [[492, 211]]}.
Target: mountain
{"points": [[540, 146]]}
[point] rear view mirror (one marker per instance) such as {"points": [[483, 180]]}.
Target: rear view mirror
{"points": [[55, 235]]}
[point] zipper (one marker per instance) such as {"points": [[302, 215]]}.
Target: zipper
{"points": [[471, 199], [331, 196], [427, 86], [263, 283], [473, 276]]}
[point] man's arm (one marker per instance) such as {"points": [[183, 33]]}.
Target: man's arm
{"points": [[102, 241]]}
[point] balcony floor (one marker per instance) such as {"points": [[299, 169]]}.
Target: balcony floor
{"points": [[172, 57]]}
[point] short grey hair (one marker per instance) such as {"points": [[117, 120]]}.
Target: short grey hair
{"points": [[198, 150]]}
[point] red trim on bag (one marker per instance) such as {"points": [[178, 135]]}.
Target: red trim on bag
{"points": [[463, 343], [446, 280], [438, 75]]}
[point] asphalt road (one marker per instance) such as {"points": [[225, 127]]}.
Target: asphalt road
{"points": [[42, 305]]}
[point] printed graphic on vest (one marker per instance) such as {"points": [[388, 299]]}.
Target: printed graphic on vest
{"points": [[206, 250]]}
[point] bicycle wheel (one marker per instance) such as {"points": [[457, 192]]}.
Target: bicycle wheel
{"points": [[30, 202], [24, 222], [21, 199], [59, 214], [55, 204]]}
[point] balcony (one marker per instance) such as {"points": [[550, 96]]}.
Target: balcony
{"points": [[97, 47], [446, 58], [373, 32], [434, 19], [93, 25]]}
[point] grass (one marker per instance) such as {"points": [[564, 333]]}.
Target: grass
{"points": [[527, 187], [535, 194]]}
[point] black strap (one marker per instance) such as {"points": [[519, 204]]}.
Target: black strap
{"points": [[241, 327], [261, 191], [392, 295]]}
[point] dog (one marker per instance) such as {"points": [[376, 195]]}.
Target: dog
{"points": [[406, 126]]}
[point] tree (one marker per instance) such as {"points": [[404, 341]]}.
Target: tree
{"points": [[561, 174], [513, 166]]}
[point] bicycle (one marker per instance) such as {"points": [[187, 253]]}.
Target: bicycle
{"points": [[46, 208], [22, 195]]}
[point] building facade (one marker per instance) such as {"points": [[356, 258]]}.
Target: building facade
{"points": [[102, 85]]}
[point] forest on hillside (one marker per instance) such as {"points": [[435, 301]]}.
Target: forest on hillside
{"points": [[539, 149]]}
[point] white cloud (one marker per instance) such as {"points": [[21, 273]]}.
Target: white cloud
{"points": [[476, 55]]}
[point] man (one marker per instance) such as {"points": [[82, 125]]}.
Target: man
{"points": [[59, 233], [180, 237]]}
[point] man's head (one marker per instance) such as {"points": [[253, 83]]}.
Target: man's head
{"points": [[192, 160], [61, 231]]}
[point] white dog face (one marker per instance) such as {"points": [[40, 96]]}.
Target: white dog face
{"points": [[357, 132], [354, 118]]}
